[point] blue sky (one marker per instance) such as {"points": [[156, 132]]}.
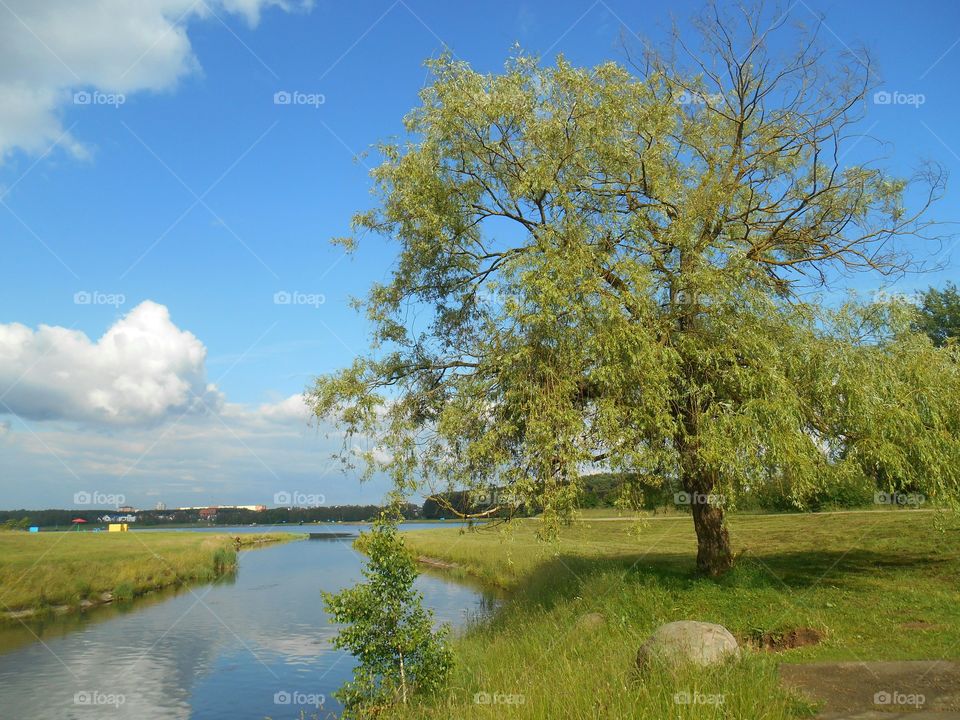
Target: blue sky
{"points": [[202, 195]]}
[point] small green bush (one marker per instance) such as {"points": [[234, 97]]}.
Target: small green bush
{"points": [[388, 630], [123, 592]]}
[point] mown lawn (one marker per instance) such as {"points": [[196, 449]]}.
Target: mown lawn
{"points": [[875, 585], [49, 570]]}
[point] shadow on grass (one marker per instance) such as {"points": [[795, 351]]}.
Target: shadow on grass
{"points": [[554, 581]]}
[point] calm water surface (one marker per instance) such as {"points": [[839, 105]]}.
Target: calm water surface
{"points": [[256, 645]]}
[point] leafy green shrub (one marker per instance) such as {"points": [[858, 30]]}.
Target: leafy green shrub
{"points": [[388, 630], [844, 491]]}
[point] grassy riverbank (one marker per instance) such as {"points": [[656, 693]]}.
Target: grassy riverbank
{"points": [[49, 572], [872, 585]]}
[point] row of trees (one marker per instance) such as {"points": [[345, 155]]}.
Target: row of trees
{"points": [[271, 516]]}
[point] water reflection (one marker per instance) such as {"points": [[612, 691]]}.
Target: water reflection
{"points": [[238, 649]]}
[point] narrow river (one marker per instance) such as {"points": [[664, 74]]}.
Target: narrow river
{"points": [[254, 646]]}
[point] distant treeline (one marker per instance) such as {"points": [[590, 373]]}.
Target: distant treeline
{"points": [[271, 516], [459, 503], [609, 490], [597, 491]]}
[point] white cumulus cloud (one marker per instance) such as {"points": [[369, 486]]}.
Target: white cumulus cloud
{"points": [[143, 370], [51, 48], [292, 408]]}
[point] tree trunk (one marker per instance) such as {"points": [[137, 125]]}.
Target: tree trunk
{"points": [[403, 680], [713, 541], [714, 556]]}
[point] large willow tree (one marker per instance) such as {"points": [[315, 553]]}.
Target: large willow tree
{"points": [[611, 269]]}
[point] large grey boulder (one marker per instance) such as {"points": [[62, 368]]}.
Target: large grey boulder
{"points": [[688, 641]]}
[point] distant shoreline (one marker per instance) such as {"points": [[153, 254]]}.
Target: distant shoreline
{"points": [[213, 526]]}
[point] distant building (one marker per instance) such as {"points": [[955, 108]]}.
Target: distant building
{"points": [[254, 508], [208, 513], [161, 506], [126, 509]]}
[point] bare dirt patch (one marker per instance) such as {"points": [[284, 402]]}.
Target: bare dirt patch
{"points": [[915, 689], [434, 562], [920, 625]]}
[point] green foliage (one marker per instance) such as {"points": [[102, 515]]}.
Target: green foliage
{"points": [[17, 524], [387, 629], [595, 275], [843, 491], [124, 592], [470, 504], [939, 314]]}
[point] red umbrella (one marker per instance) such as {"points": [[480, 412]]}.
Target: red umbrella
{"points": [[77, 521]]}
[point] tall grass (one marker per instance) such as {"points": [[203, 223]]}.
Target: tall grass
{"points": [[40, 571], [224, 560]]}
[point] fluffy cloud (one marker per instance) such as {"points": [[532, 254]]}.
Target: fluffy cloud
{"points": [[50, 49], [142, 370], [133, 413], [293, 409]]}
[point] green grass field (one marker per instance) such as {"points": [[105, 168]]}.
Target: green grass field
{"points": [[875, 585], [40, 572]]}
